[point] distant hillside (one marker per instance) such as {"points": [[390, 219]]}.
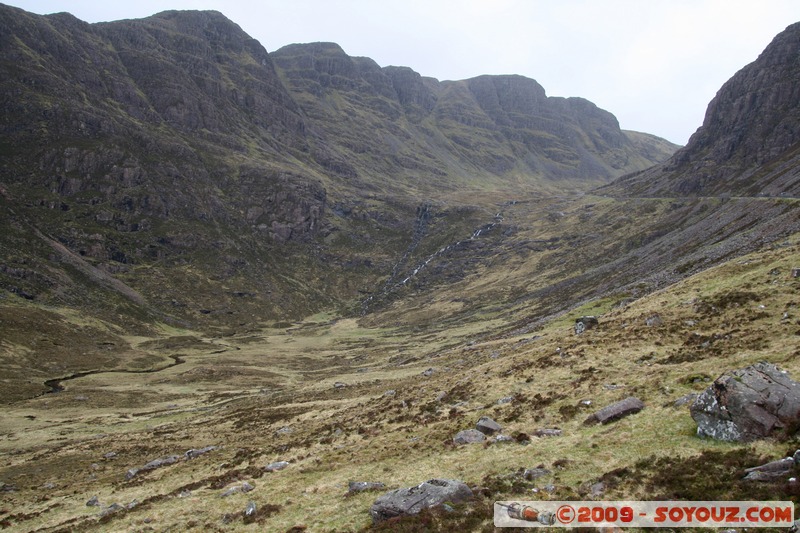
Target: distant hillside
{"points": [[173, 158], [749, 143], [483, 132]]}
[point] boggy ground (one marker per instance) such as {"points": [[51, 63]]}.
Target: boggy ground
{"points": [[344, 401]]}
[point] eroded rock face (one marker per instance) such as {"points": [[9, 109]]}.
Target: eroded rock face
{"points": [[412, 500], [748, 404]]}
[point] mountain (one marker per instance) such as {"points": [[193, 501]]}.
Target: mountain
{"points": [[489, 131], [748, 143], [178, 147], [239, 287]]}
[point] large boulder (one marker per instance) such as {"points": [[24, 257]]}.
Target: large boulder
{"points": [[748, 404], [412, 500]]}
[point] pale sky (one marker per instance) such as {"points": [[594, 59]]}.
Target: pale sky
{"points": [[654, 64]]}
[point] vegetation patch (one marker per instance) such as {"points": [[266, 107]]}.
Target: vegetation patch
{"points": [[711, 475]]}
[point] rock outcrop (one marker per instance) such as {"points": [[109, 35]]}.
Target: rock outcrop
{"points": [[748, 404], [412, 500], [747, 145], [495, 125]]}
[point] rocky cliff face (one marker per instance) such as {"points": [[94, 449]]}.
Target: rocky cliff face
{"points": [[748, 143], [178, 146], [498, 127], [155, 143]]}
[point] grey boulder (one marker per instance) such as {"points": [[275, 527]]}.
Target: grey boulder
{"points": [[585, 322], [748, 404], [469, 436], [771, 471], [615, 411], [362, 486], [487, 426], [152, 465], [412, 500]]}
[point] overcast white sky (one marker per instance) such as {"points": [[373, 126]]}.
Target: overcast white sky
{"points": [[655, 64]]}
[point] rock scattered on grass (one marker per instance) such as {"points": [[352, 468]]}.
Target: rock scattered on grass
{"points": [[278, 465], [616, 411], [585, 323], [152, 465], [547, 432], [469, 436], [412, 500], [487, 426], [364, 486], [195, 453], [771, 471]]}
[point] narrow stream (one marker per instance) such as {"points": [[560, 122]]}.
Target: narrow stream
{"points": [[56, 386]]}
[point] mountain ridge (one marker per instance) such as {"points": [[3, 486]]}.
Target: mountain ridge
{"points": [[177, 139], [747, 145]]}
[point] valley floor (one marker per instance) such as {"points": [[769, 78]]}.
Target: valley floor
{"points": [[341, 399]]}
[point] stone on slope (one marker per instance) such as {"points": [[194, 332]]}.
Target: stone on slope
{"points": [[195, 453], [547, 432], [362, 486], [748, 404], [152, 465], [276, 466], [770, 471], [615, 411], [487, 426], [469, 436], [585, 322], [412, 500]]}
